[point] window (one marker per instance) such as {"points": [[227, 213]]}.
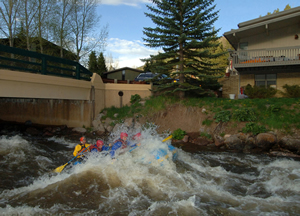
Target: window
{"points": [[266, 80], [244, 46]]}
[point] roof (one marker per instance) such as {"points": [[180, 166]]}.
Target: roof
{"points": [[263, 24], [124, 68]]}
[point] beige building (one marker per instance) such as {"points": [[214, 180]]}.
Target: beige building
{"points": [[125, 73], [267, 52]]}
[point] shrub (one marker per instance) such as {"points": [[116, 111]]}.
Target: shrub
{"points": [[291, 91], [244, 114], [135, 99], [178, 134], [207, 122], [207, 135], [259, 92], [254, 128], [223, 116]]}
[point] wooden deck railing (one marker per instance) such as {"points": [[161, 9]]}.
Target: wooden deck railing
{"points": [[28, 61], [266, 57]]}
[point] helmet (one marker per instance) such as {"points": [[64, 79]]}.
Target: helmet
{"points": [[137, 136], [123, 134], [99, 143], [82, 138]]}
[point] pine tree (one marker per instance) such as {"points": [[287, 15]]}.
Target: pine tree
{"points": [[184, 30], [93, 67], [101, 64], [147, 66]]}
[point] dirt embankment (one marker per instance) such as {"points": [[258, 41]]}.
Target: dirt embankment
{"points": [[225, 136]]}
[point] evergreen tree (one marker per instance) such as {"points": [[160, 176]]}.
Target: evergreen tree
{"points": [[93, 67], [184, 30], [147, 67], [101, 64]]}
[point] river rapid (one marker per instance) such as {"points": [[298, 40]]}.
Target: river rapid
{"points": [[135, 183]]}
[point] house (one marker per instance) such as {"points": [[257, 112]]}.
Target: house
{"points": [[124, 74], [267, 52]]}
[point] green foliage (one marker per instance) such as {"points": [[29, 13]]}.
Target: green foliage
{"points": [[101, 64], [254, 128], [291, 91], [222, 134], [223, 116], [93, 67], [185, 31], [178, 134], [207, 122], [244, 114], [207, 135], [259, 92], [135, 98], [274, 108]]}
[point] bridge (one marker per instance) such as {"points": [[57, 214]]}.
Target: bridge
{"points": [[54, 91]]}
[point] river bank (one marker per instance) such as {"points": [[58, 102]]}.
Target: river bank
{"points": [[215, 136]]}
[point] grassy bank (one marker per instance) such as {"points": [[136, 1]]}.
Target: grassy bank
{"points": [[274, 113]]}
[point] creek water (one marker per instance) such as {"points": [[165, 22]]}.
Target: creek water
{"points": [[197, 183]]}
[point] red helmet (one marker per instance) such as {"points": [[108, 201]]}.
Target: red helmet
{"points": [[99, 143], [123, 134], [138, 135], [82, 138]]}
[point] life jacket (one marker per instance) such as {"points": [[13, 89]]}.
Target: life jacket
{"points": [[124, 143], [83, 148], [95, 147]]}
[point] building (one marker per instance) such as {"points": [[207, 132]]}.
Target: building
{"points": [[267, 52], [122, 74]]}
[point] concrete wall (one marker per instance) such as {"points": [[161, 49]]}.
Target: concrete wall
{"points": [[55, 100], [230, 86]]}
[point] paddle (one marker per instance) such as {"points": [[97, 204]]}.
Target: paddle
{"points": [[59, 169]]}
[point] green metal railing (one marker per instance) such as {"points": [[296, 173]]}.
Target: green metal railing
{"points": [[33, 62]]}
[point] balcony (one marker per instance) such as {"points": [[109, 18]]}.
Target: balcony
{"points": [[266, 57]]}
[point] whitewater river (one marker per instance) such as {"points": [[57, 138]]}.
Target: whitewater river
{"points": [[198, 183]]}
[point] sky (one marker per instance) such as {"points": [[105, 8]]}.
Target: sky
{"points": [[126, 21]]}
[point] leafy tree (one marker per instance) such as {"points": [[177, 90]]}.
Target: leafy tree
{"points": [[9, 10], [93, 67], [101, 64], [184, 30], [277, 10], [287, 7], [83, 19]]}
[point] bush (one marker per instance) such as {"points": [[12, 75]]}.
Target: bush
{"points": [[259, 92], [178, 134], [135, 99], [223, 116], [292, 91], [244, 114], [254, 128]]}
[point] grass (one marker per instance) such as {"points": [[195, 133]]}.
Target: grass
{"points": [[274, 113]]}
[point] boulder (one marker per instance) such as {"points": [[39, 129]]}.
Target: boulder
{"points": [[185, 138], [128, 122], [234, 142], [265, 141], [79, 129], [98, 126], [290, 143]]}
